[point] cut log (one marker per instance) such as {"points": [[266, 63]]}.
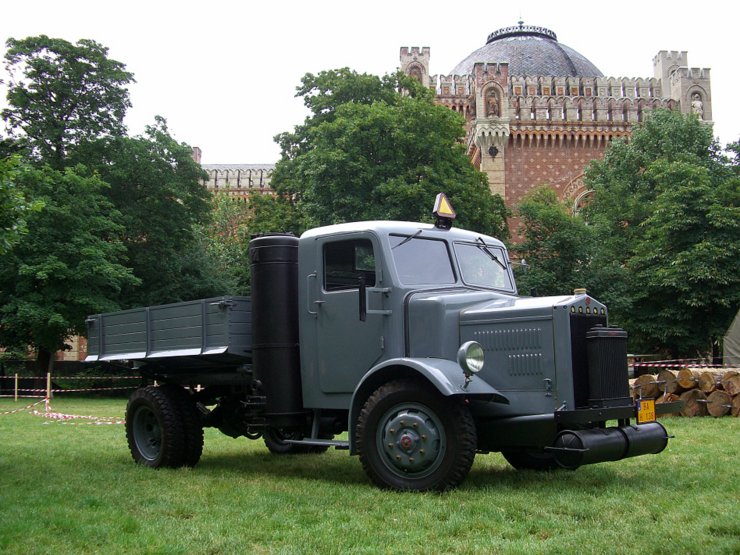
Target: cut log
{"points": [[735, 410], [687, 378], [694, 403], [731, 382], [709, 381], [645, 387], [668, 398], [668, 381], [720, 403]]}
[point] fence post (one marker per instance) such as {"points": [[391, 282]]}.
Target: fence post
{"points": [[48, 385], [16, 388]]}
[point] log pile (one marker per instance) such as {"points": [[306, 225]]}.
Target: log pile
{"points": [[704, 391]]}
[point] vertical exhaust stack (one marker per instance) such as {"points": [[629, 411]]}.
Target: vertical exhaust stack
{"points": [[275, 355]]}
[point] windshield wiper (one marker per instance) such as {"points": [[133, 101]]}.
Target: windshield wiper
{"points": [[408, 239], [482, 246]]}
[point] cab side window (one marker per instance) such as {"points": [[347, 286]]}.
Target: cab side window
{"points": [[346, 262]]}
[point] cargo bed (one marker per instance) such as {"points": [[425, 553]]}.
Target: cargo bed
{"points": [[191, 333]]}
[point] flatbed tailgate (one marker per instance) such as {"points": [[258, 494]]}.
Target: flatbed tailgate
{"points": [[214, 328]]}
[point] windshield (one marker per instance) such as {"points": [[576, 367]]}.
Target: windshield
{"points": [[483, 265], [421, 261]]}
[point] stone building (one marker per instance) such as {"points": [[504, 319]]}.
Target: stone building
{"points": [[237, 180], [537, 111]]}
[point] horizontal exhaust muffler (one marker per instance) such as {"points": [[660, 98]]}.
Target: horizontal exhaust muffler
{"points": [[574, 448]]}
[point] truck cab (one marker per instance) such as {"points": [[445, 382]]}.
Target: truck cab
{"points": [[369, 299]]}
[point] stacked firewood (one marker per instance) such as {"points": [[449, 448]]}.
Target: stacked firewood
{"points": [[704, 391]]}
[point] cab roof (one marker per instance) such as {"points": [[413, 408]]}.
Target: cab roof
{"points": [[385, 228]]}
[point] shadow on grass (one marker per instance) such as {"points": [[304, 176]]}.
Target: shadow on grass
{"points": [[335, 468], [339, 468]]}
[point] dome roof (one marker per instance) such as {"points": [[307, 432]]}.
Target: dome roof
{"points": [[529, 51]]}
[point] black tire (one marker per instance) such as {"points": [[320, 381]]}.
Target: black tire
{"points": [[274, 439], [154, 428], [191, 421], [527, 459], [410, 437]]}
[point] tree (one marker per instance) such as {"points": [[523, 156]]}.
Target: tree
{"points": [[60, 94], [225, 240], [556, 245], [379, 148], [14, 207], [666, 215], [158, 189], [67, 266]]}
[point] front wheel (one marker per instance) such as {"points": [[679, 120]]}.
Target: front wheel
{"points": [[410, 437]]}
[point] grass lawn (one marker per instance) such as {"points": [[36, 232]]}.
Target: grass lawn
{"points": [[73, 488]]}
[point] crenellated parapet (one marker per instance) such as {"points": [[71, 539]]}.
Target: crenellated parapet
{"points": [[415, 62], [584, 86], [583, 109], [453, 85], [238, 180]]}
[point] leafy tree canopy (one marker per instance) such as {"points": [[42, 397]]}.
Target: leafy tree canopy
{"points": [[60, 94], [68, 264], [379, 148], [14, 207], [666, 217], [556, 246], [158, 189]]}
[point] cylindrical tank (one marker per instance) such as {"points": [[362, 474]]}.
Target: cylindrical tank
{"points": [[275, 355], [574, 448]]}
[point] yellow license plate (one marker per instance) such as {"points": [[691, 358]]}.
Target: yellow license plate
{"points": [[645, 411]]}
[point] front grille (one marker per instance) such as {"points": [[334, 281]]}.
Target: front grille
{"points": [[607, 367]]}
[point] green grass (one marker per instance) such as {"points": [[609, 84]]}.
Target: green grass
{"points": [[73, 488]]}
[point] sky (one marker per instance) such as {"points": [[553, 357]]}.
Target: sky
{"points": [[224, 73]]}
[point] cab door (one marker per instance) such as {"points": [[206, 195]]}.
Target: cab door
{"points": [[348, 343]]}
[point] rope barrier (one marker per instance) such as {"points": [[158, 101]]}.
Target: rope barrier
{"points": [[22, 409], [61, 417], [73, 378], [64, 418], [48, 391], [72, 390]]}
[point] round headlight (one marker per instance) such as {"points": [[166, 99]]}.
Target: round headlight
{"points": [[470, 357]]}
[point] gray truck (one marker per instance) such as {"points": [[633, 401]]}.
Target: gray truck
{"points": [[404, 343]]}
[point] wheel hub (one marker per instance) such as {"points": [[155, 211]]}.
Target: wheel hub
{"points": [[411, 440], [147, 433]]}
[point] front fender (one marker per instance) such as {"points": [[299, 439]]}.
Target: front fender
{"points": [[445, 375]]}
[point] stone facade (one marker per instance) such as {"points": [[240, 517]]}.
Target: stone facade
{"points": [[526, 129], [237, 180]]}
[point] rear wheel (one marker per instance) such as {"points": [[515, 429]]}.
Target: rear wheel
{"points": [[410, 437], [191, 421], [154, 428]]}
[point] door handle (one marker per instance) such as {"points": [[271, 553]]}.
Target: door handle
{"points": [[309, 277]]}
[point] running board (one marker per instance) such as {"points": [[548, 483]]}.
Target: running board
{"points": [[319, 443]]}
